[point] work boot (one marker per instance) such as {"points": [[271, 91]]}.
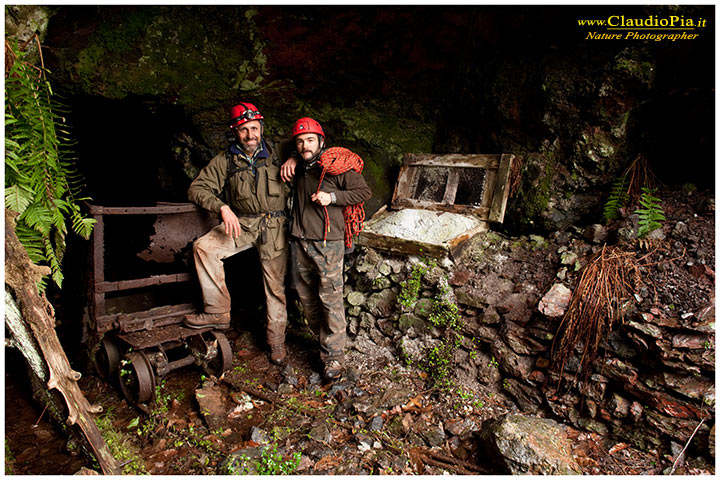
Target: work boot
{"points": [[278, 353], [221, 321], [333, 370]]}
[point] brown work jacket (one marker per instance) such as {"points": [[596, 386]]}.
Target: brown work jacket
{"points": [[308, 221]]}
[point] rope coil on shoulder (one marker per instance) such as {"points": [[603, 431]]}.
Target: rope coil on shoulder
{"points": [[335, 161]]}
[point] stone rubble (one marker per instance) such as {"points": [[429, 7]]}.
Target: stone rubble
{"points": [[652, 383]]}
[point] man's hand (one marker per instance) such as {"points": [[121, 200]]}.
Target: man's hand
{"points": [[321, 198], [287, 170], [232, 225]]}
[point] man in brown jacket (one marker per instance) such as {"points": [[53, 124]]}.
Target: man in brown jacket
{"points": [[318, 231], [253, 214]]}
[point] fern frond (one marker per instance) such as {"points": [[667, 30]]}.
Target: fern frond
{"points": [[41, 182], [18, 198], [617, 200], [652, 215]]}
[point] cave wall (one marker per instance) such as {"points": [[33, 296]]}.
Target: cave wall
{"points": [[385, 80]]}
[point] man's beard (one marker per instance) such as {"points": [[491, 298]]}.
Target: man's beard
{"points": [[249, 150]]}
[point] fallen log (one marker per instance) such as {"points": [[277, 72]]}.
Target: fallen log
{"points": [[30, 320]]}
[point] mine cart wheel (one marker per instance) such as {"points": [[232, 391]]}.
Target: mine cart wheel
{"points": [[223, 357], [137, 380], [107, 358]]}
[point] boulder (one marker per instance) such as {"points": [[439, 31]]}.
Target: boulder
{"points": [[355, 298], [530, 445], [409, 320], [423, 307], [596, 233], [491, 316], [214, 406], [520, 341]]}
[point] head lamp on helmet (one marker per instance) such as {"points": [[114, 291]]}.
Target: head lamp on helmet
{"points": [[242, 113]]}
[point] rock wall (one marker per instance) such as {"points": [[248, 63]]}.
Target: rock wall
{"points": [[389, 80], [650, 386]]}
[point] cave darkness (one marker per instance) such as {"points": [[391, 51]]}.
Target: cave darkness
{"points": [[436, 63]]}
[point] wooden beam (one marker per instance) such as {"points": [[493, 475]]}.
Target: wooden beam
{"points": [[36, 315], [501, 190]]}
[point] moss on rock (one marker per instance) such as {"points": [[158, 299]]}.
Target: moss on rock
{"points": [[165, 51]]}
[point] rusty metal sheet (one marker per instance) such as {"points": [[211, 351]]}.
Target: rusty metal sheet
{"points": [[142, 282], [174, 234], [160, 335], [145, 319]]}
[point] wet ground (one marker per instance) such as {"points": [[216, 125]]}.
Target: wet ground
{"points": [[380, 418]]}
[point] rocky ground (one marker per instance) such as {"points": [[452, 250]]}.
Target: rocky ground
{"points": [[380, 418], [389, 414]]}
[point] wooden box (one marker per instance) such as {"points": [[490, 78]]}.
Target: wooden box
{"points": [[440, 202]]}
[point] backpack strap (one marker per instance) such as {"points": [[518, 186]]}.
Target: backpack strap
{"points": [[232, 169]]}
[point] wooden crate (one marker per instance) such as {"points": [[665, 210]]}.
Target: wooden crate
{"points": [[465, 191]]}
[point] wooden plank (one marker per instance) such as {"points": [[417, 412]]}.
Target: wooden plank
{"points": [[467, 235], [479, 212], [454, 160], [401, 245], [501, 190], [451, 187], [489, 188], [458, 244], [403, 185], [97, 273]]}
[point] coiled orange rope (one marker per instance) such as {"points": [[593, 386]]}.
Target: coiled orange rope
{"points": [[334, 161]]}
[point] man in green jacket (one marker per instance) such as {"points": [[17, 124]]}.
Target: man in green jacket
{"points": [[253, 215], [319, 235]]}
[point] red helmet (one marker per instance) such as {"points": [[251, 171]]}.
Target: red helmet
{"points": [[307, 125], [244, 112]]}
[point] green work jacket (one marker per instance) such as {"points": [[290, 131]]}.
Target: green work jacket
{"points": [[256, 195]]}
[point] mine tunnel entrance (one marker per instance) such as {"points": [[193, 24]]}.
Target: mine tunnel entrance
{"points": [[131, 155]]}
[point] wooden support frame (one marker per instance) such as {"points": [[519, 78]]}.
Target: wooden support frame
{"points": [[489, 207]]}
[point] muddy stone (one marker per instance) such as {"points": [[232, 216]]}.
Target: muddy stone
{"points": [[356, 298], [214, 406], [490, 291], [381, 304]]}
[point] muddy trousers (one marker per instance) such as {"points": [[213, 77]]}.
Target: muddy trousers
{"points": [[215, 246], [320, 288]]}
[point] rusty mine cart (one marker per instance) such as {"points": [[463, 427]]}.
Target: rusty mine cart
{"points": [[132, 338]]}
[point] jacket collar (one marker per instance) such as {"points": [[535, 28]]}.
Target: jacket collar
{"points": [[262, 152], [314, 160]]}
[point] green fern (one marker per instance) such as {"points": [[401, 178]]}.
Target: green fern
{"points": [[651, 215], [617, 200], [41, 183]]}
